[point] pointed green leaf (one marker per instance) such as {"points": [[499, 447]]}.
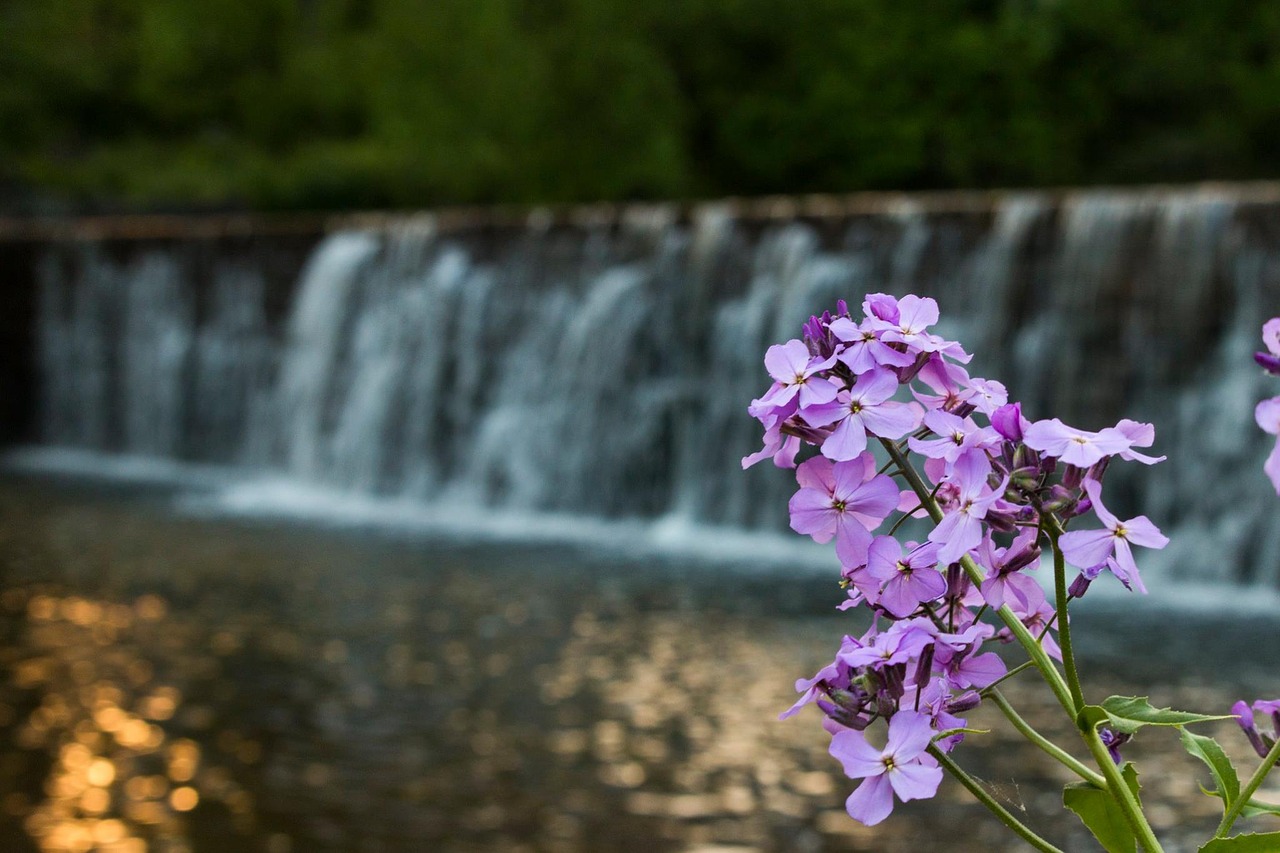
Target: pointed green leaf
{"points": [[1253, 843], [1224, 773], [1253, 808], [1127, 714], [1098, 810]]}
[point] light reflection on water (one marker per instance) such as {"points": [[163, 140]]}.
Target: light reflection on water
{"points": [[175, 685]]}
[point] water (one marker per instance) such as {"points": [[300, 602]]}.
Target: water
{"points": [[192, 685], [599, 370]]}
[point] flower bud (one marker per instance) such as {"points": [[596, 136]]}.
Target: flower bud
{"points": [[1073, 477], [1079, 586], [1025, 478], [1007, 420], [1060, 499], [966, 701]]}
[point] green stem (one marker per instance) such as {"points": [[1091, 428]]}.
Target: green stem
{"points": [[974, 787], [1054, 530], [1045, 745], [986, 691], [1029, 643], [1247, 792], [1124, 797]]}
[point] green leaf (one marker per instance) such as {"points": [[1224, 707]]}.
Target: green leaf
{"points": [[1253, 843], [1253, 808], [1098, 810], [1207, 750], [1127, 714]]}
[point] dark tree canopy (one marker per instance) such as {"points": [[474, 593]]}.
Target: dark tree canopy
{"points": [[333, 103]]}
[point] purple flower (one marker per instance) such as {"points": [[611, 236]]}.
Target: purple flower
{"points": [[1271, 339], [1110, 547], [1139, 435], [782, 448], [1005, 580], [794, 372], [1267, 414], [1009, 422], [907, 581], [955, 436], [903, 642], [881, 306], [864, 350], [1113, 741], [915, 316], [961, 528], [1074, 446], [832, 675], [1260, 742], [848, 509], [949, 382], [962, 668], [903, 767], [866, 407]]}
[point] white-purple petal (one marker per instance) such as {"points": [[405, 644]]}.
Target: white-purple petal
{"points": [[915, 780], [787, 361], [1272, 467], [890, 420], [813, 515], [847, 441], [871, 802], [1087, 548], [909, 735], [858, 758], [1140, 531]]}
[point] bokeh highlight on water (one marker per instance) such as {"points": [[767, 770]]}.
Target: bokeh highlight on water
{"points": [[178, 684]]}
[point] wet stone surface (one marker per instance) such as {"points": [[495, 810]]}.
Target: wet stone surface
{"points": [[175, 684]]}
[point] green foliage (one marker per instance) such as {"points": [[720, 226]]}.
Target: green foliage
{"points": [[1098, 810], [1256, 842], [325, 103], [1224, 773], [1127, 714]]}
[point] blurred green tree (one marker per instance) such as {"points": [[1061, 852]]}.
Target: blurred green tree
{"points": [[337, 103]]}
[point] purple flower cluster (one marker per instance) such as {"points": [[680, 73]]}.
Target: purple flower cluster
{"points": [[1267, 708], [1000, 486], [1267, 413]]}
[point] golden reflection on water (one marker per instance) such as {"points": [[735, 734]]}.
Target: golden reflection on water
{"points": [[117, 781], [192, 687]]}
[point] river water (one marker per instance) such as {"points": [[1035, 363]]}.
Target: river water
{"points": [[172, 682]]}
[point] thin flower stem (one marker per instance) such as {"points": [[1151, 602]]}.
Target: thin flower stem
{"points": [[1246, 793], [974, 787], [1124, 797], [898, 523], [1045, 745], [1029, 644], [1054, 530], [1025, 665]]}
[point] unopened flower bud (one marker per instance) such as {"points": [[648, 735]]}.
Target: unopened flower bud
{"points": [[1026, 478], [1060, 499], [1244, 716], [1073, 477], [1079, 586], [966, 701], [1001, 521], [1007, 421]]}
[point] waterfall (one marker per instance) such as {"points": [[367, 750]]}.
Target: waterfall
{"points": [[601, 368]]}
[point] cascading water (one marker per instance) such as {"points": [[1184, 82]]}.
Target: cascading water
{"points": [[602, 369]]}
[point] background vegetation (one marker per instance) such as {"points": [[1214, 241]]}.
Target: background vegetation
{"points": [[335, 103]]}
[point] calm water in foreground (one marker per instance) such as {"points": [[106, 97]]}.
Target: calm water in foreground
{"points": [[177, 684]]}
